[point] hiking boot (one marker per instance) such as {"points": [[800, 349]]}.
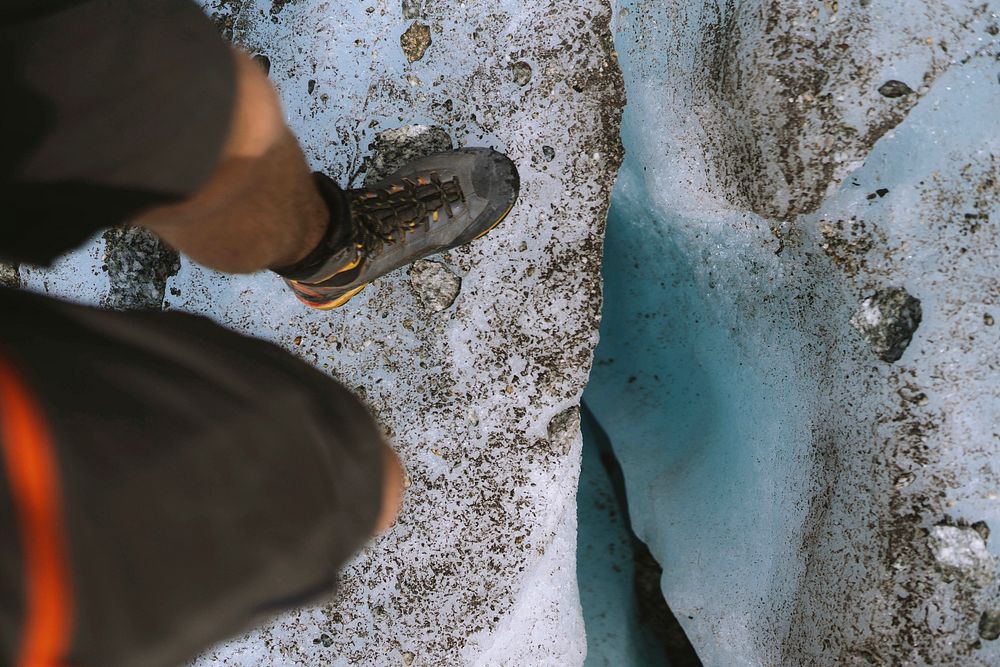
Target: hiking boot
{"points": [[432, 204]]}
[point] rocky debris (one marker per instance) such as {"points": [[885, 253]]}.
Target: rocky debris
{"points": [[138, 265], [983, 529], [277, 6], [415, 41], [9, 275], [989, 624], [887, 320], [411, 9], [564, 430], [960, 553], [434, 284], [263, 62], [394, 148], [521, 71], [893, 88], [549, 153], [912, 394]]}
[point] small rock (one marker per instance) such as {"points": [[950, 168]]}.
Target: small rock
{"points": [[277, 6], [549, 153], [887, 320], [904, 480], [263, 62], [411, 9], [394, 148], [983, 529], [408, 658], [564, 430], [989, 624], [960, 553], [138, 265], [434, 284], [988, 320], [521, 72], [326, 640], [311, 86], [10, 275], [893, 88], [912, 395], [415, 41]]}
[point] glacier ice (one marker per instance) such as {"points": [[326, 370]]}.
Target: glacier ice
{"points": [[792, 484]]}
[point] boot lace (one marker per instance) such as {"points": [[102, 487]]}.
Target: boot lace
{"points": [[382, 215]]}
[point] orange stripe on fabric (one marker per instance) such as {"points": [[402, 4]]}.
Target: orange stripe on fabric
{"points": [[34, 481]]}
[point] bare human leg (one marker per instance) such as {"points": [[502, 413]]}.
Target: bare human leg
{"points": [[260, 209]]}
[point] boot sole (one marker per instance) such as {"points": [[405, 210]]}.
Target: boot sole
{"points": [[499, 220], [338, 302]]}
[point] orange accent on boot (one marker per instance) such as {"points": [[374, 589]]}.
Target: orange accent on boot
{"points": [[32, 468], [318, 304]]}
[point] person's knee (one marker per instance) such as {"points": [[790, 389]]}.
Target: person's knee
{"points": [[392, 490], [257, 122]]}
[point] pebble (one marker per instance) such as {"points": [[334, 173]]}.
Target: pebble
{"points": [[894, 88], [415, 41]]}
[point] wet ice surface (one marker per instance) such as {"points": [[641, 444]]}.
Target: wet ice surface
{"points": [[477, 395], [795, 486]]}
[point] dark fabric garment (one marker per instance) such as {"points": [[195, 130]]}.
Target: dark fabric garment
{"points": [[110, 106], [207, 478], [11, 577]]}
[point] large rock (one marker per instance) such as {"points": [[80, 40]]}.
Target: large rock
{"points": [[795, 488], [480, 569], [138, 265], [10, 275]]}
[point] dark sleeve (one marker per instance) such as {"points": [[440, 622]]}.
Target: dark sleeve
{"points": [[111, 106]]}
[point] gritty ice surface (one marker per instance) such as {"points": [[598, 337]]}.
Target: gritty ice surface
{"points": [[786, 478], [480, 569]]}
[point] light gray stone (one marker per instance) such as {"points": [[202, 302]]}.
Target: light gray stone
{"points": [[960, 552], [564, 430], [434, 284]]}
